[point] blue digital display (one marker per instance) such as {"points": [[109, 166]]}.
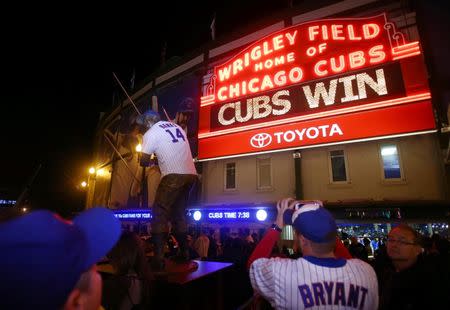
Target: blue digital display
{"points": [[7, 203], [135, 215], [228, 215], [236, 215], [205, 215]]}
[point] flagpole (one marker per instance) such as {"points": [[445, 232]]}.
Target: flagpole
{"points": [[132, 80], [167, 115], [213, 27]]}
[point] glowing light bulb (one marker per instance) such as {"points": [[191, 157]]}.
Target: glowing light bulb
{"points": [[139, 148], [261, 215], [197, 215], [102, 172]]}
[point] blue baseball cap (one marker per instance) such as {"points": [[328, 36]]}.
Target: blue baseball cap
{"points": [[148, 118], [43, 256], [313, 221]]}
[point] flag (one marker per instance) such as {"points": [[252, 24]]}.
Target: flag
{"points": [[213, 27]]}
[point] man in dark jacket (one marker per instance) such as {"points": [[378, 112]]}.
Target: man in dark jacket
{"points": [[409, 281]]}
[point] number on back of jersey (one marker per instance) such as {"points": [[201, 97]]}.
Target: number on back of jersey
{"points": [[175, 137]]}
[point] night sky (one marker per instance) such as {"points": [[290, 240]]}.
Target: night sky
{"points": [[56, 79]]}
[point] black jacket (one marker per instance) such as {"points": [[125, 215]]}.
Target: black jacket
{"points": [[425, 285]]}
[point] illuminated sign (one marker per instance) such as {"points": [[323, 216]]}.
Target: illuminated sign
{"points": [[7, 203], [390, 121], [357, 88], [205, 215], [133, 214], [229, 215], [316, 83]]}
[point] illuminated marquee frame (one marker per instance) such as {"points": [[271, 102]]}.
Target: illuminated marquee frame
{"points": [[317, 83]]}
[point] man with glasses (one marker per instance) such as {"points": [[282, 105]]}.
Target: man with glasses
{"points": [[409, 282]]}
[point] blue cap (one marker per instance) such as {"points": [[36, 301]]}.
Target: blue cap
{"points": [[151, 113], [314, 222], [43, 256], [147, 118]]}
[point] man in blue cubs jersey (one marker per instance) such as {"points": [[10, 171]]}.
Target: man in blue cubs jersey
{"points": [[319, 279], [178, 175]]}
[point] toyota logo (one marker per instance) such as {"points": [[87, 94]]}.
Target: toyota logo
{"points": [[261, 140]]}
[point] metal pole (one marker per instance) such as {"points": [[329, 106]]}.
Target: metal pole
{"points": [[131, 100], [167, 115], [298, 175], [118, 153], [27, 188]]}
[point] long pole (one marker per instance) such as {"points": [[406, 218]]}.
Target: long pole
{"points": [[118, 153], [167, 115], [131, 100], [139, 113], [27, 188]]}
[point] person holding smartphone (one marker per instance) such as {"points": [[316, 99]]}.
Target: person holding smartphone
{"points": [[324, 277]]}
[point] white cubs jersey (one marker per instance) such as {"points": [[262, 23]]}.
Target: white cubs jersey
{"points": [[315, 283], [171, 146]]}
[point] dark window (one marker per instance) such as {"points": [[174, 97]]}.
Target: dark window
{"points": [[338, 170], [230, 177]]}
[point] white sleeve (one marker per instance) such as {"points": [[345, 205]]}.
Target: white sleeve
{"points": [[262, 278], [148, 143]]}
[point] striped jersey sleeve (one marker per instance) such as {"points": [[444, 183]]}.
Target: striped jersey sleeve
{"points": [[262, 278]]}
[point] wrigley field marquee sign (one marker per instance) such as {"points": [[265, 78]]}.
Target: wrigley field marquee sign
{"points": [[317, 83]]}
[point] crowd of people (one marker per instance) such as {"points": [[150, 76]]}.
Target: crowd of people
{"points": [[51, 263], [404, 274], [208, 244]]}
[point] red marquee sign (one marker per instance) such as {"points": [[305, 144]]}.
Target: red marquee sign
{"points": [[314, 73]]}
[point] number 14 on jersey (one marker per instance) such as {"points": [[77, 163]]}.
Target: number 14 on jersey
{"points": [[178, 134]]}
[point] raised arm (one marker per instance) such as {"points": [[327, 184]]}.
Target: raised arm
{"points": [[265, 246]]}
